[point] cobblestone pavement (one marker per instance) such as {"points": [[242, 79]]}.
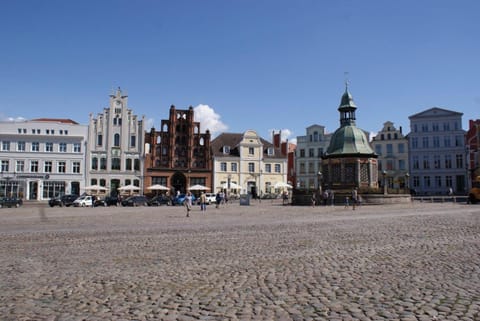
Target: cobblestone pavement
{"points": [[258, 262]]}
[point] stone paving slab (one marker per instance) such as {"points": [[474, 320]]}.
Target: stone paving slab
{"points": [[259, 262]]}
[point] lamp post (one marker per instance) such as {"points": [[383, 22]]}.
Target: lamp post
{"points": [[229, 184], [385, 189], [319, 182], [407, 182]]}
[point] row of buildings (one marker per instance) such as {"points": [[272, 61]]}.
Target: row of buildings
{"points": [[42, 158]]}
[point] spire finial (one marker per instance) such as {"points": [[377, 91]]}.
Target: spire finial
{"points": [[347, 82]]}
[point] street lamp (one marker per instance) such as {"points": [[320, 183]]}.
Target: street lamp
{"points": [[384, 173], [319, 183], [407, 182], [229, 182]]}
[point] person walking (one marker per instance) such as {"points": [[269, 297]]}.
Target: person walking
{"points": [[346, 202], [188, 203], [203, 202], [354, 197], [313, 199]]}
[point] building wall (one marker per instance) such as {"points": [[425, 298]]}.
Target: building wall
{"points": [[308, 156], [56, 167], [437, 152], [249, 161], [391, 146], [115, 146], [473, 145], [179, 154]]}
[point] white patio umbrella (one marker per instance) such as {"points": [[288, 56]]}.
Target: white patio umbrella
{"points": [[95, 187], [198, 188], [232, 185], [158, 187], [282, 185], [129, 188]]}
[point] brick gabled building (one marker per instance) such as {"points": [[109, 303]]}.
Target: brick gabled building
{"points": [[178, 155]]}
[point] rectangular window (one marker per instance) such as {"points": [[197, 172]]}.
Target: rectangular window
{"points": [[446, 126], [21, 146], [277, 168], [311, 152], [62, 167], [424, 127], [401, 148], [320, 152], [94, 163], [5, 165], [435, 127], [116, 163], [389, 149], [76, 167], [436, 141], [268, 168], [233, 167], [223, 166], [20, 168], [35, 146], [446, 141], [77, 147], [436, 162], [251, 167], [378, 149], [416, 181], [103, 163], [133, 141], [426, 162], [416, 162], [425, 142], [136, 164], [458, 141], [99, 140], [448, 161], [251, 151], [34, 166], [390, 165], [302, 168], [302, 152], [5, 146], [414, 142], [459, 160], [128, 164], [438, 181], [448, 181], [62, 147], [401, 164], [47, 167], [426, 181], [49, 147]]}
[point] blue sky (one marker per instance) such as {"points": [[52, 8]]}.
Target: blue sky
{"points": [[256, 64]]}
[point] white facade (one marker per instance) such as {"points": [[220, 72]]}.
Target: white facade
{"points": [[249, 163], [391, 146], [115, 146], [437, 152], [308, 156], [41, 159]]}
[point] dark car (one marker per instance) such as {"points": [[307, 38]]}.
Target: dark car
{"points": [[10, 202], [179, 199], [160, 200], [107, 201], [136, 200], [64, 200]]}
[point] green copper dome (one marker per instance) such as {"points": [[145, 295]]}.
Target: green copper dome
{"points": [[348, 139]]}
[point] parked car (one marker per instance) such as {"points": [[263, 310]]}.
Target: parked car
{"points": [[159, 200], [107, 201], [85, 200], [137, 200], [10, 202], [64, 200], [210, 197], [179, 199]]}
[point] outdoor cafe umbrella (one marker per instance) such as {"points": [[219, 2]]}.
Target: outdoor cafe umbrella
{"points": [[95, 188], [129, 188], [232, 185], [158, 187], [282, 185], [198, 188]]}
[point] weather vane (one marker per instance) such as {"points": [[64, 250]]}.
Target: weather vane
{"points": [[347, 82]]}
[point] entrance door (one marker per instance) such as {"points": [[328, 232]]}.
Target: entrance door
{"points": [[32, 190], [114, 185], [178, 182], [75, 188]]}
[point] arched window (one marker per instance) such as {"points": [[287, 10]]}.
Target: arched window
{"points": [[116, 140]]}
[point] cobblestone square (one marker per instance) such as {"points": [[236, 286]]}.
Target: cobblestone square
{"points": [[258, 262]]}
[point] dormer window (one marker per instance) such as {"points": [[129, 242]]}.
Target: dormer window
{"points": [[270, 151], [226, 149]]}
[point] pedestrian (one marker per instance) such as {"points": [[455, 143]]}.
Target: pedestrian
{"points": [[188, 203], [203, 202], [313, 199], [325, 198], [354, 197], [331, 195], [346, 202], [218, 200]]}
